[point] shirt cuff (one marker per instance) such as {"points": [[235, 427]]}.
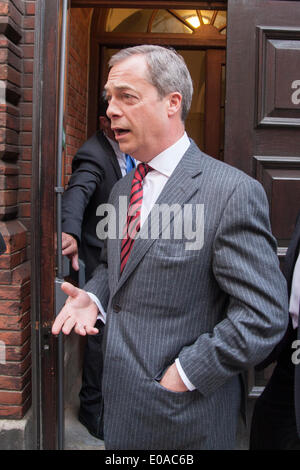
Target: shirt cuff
{"points": [[184, 378], [102, 314]]}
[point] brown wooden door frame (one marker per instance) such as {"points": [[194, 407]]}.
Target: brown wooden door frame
{"points": [[48, 16], [175, 4]]}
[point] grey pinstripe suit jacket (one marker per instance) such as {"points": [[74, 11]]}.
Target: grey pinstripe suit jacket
{"points": [[220, 309]]}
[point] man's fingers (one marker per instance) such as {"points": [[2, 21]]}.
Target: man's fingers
{"points": [[65, 243], [59, 321], [75, 263], [68, 250], [68, 325], [69, 289], [80, 329], [91, 330]]}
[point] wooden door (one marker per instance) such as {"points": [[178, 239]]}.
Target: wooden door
{"points": [[214, 103], [262, 114]]}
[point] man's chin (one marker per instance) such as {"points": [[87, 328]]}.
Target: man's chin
{"points": [[125, 148]]}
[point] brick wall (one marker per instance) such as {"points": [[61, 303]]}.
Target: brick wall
{"points": [[16, 83], [16, 76], [76, 109]]}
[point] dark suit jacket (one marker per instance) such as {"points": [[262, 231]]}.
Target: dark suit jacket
{"points": [[286, 342], [291, 258], [292, 254], [288, 270], [95, 170]]}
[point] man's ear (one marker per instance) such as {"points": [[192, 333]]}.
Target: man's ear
{"points": [[174, 103]]}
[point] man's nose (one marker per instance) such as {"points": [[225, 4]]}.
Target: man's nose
{"points": [[113, 109]]}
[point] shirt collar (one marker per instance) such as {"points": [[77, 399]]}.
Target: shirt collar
{"points": [[166, 161], [115, 147]]}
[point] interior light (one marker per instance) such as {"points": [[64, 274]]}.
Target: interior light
{"points": [[194, 21]]}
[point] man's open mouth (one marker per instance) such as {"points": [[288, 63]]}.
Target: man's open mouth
{"points": [[120, 132]]}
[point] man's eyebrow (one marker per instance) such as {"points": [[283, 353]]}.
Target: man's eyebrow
{"points": [[120, 87]]}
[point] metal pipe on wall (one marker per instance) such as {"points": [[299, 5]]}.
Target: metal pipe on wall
{"points": [[59, 301]]}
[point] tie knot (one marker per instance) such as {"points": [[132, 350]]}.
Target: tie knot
{"points": [[141, 170]]}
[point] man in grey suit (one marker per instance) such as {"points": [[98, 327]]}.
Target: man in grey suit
{"points": [[197, 302]]}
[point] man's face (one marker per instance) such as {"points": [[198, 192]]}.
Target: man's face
{"points": [[139, 117], [105, 126]]}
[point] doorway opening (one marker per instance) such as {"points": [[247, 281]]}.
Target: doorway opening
{"points": [[95, 34]]}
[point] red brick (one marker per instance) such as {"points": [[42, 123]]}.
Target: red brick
{"points": [[15, 338], [28, 51], [26, 109], [24, 182], [15, 383], [24, 195], [8, 182], [28, 80], [14, 235], [26, 138], [8, 397], [10, 74], [18, 353], [28, 22], [8, 198], [12, 260], [26, 153], [15, 369], [30, 8], [14, 307], [28, 37], [12, 322], [11, 122], [28, 66], [15, 412], [25, 210], [27, 94]]}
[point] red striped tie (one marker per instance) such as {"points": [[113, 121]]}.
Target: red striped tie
{"points": [[133, 223]]}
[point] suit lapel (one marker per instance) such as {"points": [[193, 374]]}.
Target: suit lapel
{"points": [[178, 190]]}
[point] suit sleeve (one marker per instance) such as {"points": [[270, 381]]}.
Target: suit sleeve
{"points": [[98, 284], [246, 267], [86, 177]]}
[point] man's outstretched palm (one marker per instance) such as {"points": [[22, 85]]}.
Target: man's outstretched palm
{"points": [[79, 312]]}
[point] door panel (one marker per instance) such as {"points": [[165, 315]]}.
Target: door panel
{"points": [[262, 114]]}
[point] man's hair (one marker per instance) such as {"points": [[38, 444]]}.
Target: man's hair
{"points": [[167, 71]]}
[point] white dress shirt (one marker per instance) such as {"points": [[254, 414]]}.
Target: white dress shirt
{"points": [[121, 157], [163, 166], [295, 294]]}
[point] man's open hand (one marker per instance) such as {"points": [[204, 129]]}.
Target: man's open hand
{"points": [[79, 312]]}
